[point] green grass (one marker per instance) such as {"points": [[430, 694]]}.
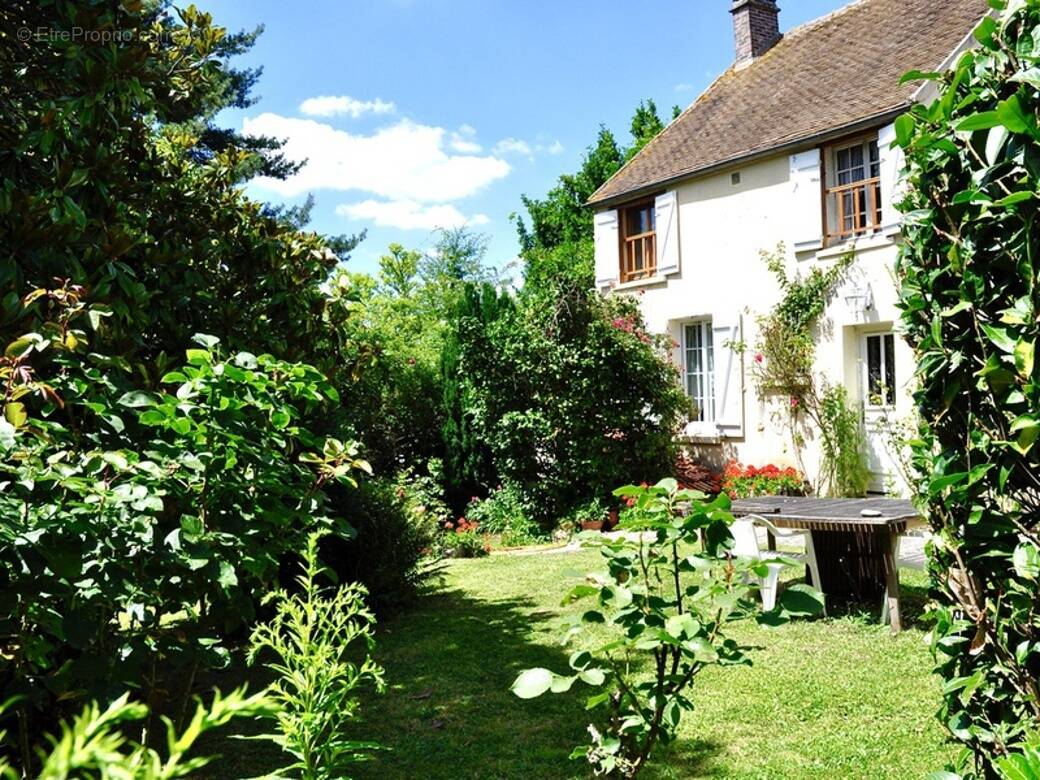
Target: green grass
{"points": [[834, 698]]}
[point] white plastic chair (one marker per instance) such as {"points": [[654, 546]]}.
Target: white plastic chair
{"points": [[746, 545]]}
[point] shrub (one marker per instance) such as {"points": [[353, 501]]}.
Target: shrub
{"points": [[666, 598], [94, 743], [311, 642], [567, 394], [140, 548], [463, 539], [968, 276], [594, 511], [740, 481], [395, 533], [504, 514]]}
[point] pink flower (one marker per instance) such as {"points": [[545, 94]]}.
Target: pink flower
{"points": [[794, 402], [759, 358]]}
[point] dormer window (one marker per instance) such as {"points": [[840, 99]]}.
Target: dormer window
{"points": [[638, 234], [852, 189]]}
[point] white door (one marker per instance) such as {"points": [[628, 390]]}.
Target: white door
{"points": [[878, 383]]}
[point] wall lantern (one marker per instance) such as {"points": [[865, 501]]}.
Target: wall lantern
{"points": [[860, 299]]}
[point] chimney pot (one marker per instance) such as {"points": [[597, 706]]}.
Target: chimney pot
{"points": [[756, 27]]}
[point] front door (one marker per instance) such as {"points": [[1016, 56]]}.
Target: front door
{"points": [[878, 392]]}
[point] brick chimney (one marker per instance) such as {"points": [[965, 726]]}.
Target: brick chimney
{"points": [[756, 27]]}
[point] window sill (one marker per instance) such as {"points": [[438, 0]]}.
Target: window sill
{"points": [[651, 281], [685, 438], [884, 237]]}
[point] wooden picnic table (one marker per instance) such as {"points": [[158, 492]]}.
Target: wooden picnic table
{"points": [[856, 550]]}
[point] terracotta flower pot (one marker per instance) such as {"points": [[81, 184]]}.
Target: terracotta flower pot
{"points": [[591, 525]]}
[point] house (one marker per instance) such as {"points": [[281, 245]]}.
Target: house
{"points": [[793, 145]]}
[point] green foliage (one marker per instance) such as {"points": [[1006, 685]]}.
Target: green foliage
{"points": [[503, 513], [968, 278], [94, 743], [468, 359], [669, 591], [558, 244], [311, 640], [463, 539], [396, 522], [594, 511], [154, 537], [646, 125], [562, 393], [843, 445], [784, 368], [740, 481]]}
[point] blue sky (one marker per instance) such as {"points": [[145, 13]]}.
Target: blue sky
{"points": [[437, 112]]}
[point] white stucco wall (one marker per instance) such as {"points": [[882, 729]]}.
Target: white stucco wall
{"points": [[722, 229]]}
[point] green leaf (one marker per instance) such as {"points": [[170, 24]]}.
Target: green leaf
{"points": [[532, 683], [1024, 352], [1027, 561], [1000, 338], [138, 399], [904, 127], [227, 577], [15, 414], [592, 676], [198, 357], [1013, 117], [981, 121], [801, 601]]}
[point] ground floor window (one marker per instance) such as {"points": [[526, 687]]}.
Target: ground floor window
{"points": [[699, 369], [880, 366]]}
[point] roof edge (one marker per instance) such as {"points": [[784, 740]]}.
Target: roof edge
{"points": [[829, 135]]}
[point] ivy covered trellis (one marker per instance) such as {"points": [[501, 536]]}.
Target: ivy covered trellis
{"points": [[970, 309]]}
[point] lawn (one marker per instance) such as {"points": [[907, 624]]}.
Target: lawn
{"points": [[830, 698]]}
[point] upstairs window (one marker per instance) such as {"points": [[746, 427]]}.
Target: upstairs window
{"points": [[638, 242], [853, 190]]}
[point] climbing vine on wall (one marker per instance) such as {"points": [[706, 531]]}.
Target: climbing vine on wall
{"points": [[785, 358]]}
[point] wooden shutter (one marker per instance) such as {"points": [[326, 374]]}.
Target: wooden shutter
{"points": [[891, 158], [729, 375], [608, 258], [666, 219], [806, 203]]}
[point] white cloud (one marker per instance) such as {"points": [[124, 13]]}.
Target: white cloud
{"points": [[409, 215], [512, 146], [523, 148], [684, 87], [336, 105], [405, 161], [464, 140]]}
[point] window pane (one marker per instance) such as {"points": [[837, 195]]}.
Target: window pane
{"points": [[843, 160], [874, 370], [890, 370], [698, 368]]}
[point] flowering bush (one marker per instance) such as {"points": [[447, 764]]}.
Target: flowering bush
{"points": [[503, 513], [740, 481], [462, 539]]}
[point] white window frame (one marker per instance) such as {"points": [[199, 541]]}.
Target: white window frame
{"points": [[865, 352], [707, 349]]}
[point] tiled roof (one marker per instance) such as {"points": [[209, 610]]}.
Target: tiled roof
{"points": [[833, 73]]}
